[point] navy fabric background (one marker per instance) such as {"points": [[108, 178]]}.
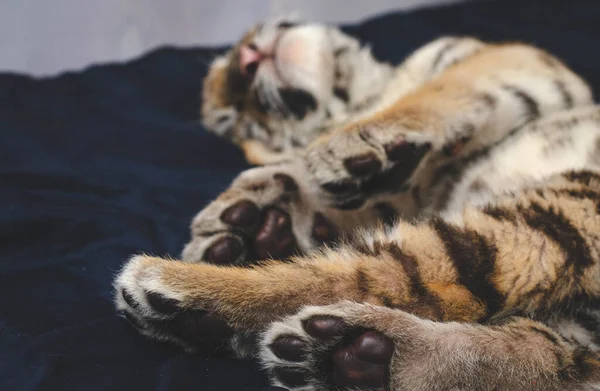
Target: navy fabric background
{"points": [[100, 164]]}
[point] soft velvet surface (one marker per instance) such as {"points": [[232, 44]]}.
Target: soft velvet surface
{"points": [[104, 163]]}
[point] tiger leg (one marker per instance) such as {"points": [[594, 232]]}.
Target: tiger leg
{"points": [[466, 109], [348, 346], [472, 270]]}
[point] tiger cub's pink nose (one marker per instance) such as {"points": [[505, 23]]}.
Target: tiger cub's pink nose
{"points": [[250, 59]]}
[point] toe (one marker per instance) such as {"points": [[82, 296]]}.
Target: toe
{"points": [[398, 149], [325, 327], [242, 214], [275, 238], [289, 184], [340, 187], [364, 362], [362, 165], [289, 348], [199, 327], [374, 347], [349, 371], [162, 304], [224, 251]]}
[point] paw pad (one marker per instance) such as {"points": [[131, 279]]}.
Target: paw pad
{"points": [[275, 238], [289, 348], [325, 327], [333, 356], [224, 251], [405, 153], [363, 165], [289, 184], [200, 328], [241, 214], [162, 304]]}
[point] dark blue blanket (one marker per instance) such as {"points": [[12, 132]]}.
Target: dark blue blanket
{"points": [[100, 164]]}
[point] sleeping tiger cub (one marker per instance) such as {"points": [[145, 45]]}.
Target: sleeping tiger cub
{"points": [[449, 240]]}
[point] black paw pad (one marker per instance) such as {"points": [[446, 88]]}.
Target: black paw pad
{"points": [[291, 377], [224, 251], [289, 184], [162, 304], [403, 152], [340, 187], [362, 165], [325, 327], [351, 204], [364, 362], [289, 348], [275, 238], [201, 327], [241, 214], [372, 346], [323, 231]]}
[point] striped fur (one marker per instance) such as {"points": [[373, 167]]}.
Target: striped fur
{"points": [[534, 254]]}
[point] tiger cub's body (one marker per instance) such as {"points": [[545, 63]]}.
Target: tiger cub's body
{"points": [[487, 278]]}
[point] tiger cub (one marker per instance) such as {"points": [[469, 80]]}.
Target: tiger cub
{"points": [[450, 240]]}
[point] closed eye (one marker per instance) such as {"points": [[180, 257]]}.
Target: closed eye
{"points": [[287, 25], [223, 118]]}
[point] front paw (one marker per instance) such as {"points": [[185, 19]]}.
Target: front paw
{"points": [[365, 160], [153, 301], [266, 213]]}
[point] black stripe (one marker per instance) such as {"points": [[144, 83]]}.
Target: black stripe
{"points": [[583, 177], [565, 95], [580, 367], [558, 228], [546, 334], [474, 258], [442, 53], [411, 269], [531, 106], [499, 213], [590, 323], [583, 194], [362, 281], [424, 298], [506, 317]]}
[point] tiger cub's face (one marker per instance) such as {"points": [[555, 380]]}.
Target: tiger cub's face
{"points": [[284, 83]]}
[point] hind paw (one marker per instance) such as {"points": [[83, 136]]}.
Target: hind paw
{"points": [[365, 160], [153, 301], [266, 213], [328, 348]]}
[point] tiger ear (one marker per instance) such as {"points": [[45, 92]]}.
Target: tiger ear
{"points": [[218, 115]]}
